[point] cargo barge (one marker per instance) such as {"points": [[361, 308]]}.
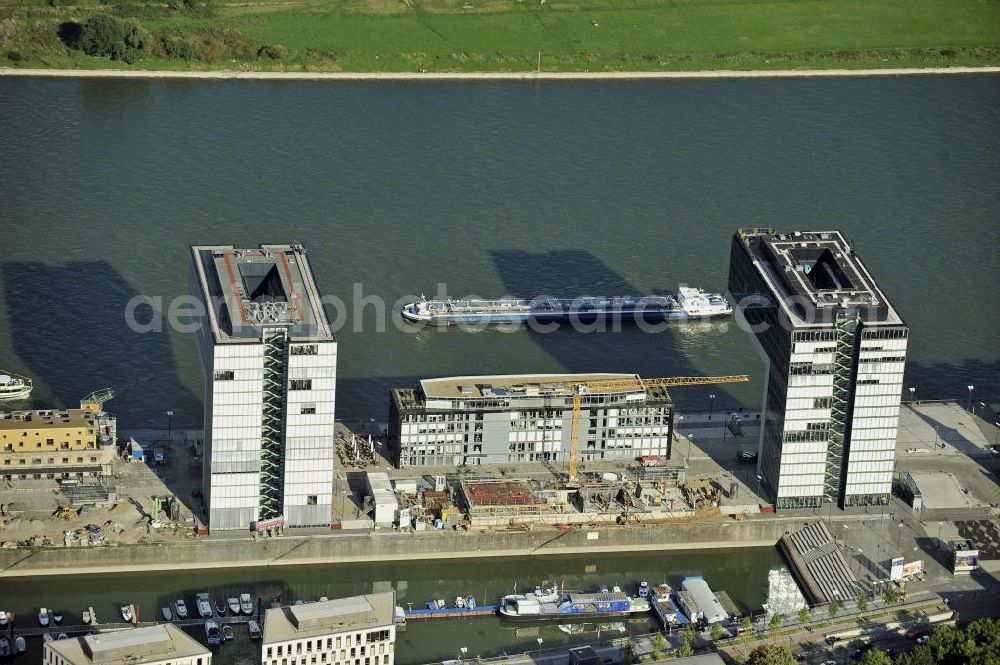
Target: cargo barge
{"points": [[687, 303], [547, 604]]}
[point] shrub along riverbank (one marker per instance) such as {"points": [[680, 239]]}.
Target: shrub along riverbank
{"points": [[499, 35]]}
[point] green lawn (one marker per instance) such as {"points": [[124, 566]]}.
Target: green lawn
{"points": [[507, 35]]}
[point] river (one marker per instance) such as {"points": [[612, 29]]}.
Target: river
{"points": [[742, 573], [492, 188]]}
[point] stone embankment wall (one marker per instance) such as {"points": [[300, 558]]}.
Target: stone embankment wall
{"points": [[213, 552]]}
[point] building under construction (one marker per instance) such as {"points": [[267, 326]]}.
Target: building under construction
{"points": [[475, 420]]}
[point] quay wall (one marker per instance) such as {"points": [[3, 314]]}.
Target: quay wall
{"points": [[215, 551]]}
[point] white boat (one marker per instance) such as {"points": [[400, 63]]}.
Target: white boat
{"points": [[459, 602], [128, 613], [43, 617], [213, 634], [46, 636], [644, 589], [86, 617], [167, 614], [3, 619], [181, 607], [5, 647], [227, 632], [57, 616], [234, 606], [20, 645], [14, 386], [246, 603], [62, 636], [93, 615], [204, 605]]}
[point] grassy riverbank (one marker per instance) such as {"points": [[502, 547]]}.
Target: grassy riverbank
{"points": [[512, 35]]}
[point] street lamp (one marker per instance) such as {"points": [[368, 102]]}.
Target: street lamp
{"points": [[913, 394], [170, 416], [940, 524], [759, 478], [971, 388], [937, 436], [711, 406], [899, 534], [687, 457], [540, 640]]}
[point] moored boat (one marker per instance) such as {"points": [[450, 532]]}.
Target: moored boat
{"points": [[246, 603], [128, 613], [86, 617], [227, 632], [234, 606], [3, 619], [204, 605], [254, 629], [220, 606], [47, 636], [543, 604], [57, 616], [181, 608], [5, 647], [167, 614], [644, 589], [20, 645], [14, 386], [213, 634], [43, 617]]}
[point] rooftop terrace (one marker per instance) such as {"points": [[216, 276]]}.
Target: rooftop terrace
{"points": [[812, 273], [250, 289]]}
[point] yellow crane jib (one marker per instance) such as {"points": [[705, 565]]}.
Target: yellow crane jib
{"points": [[582, 388]]}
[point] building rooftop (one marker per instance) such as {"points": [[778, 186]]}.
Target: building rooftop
{"points": [[249, 289], [46, 418], [812, 274], [329, 616], [521, 385], [163, 642]]}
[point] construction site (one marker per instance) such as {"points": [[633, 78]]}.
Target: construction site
{"points": [[637, 495]]}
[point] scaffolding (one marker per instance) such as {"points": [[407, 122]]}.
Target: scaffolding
{"points": [[272, 440]]}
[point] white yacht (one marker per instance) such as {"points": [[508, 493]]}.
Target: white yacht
{"points": [[14, 386]]}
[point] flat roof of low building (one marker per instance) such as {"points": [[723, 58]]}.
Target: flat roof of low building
{"points": [[247, 290], [521, 385], [163, 642], [812, 273], [46, 419], [325, 617]]}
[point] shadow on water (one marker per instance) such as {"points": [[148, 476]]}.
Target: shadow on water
{"points": [[625, 348], [68, 327]]}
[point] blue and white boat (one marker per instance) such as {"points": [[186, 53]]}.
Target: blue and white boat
{"points": [[543, 604], [686, 303]]}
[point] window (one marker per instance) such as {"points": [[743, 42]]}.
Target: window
{"points": [[311, 500], [225, 375], [308, 409], [300, 384], [303, 350]]}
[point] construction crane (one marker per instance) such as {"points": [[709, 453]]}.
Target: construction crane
{"points": [[582, 388], [95, 400]]}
